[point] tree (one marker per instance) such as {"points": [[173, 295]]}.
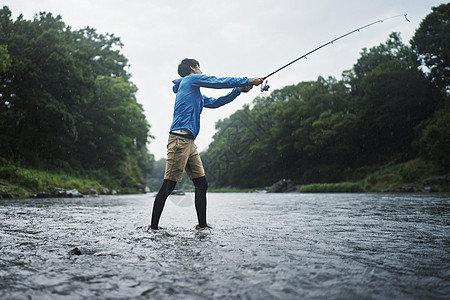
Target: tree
{"points": [[432, 43], [113, 125], [392, 49], [396, 99], [433, 138], [66, 100], [37, 104]]}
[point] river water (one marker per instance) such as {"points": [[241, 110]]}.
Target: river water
{"points": [[262, 246]]}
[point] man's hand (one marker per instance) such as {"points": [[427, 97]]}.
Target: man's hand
{"points": [[245, 89], [255, 81]]}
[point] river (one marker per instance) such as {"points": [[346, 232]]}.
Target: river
{"points": [[262, 246]]}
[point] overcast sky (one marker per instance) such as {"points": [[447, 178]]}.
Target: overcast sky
{"points": [[230, 38]]}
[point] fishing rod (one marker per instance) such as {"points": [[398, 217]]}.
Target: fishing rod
{"points": [[265, 86]]}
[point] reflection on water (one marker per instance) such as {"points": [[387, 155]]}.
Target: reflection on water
{"points": [[262, 246]]}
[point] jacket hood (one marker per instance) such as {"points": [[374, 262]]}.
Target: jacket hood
{"points": [[176, 84]]}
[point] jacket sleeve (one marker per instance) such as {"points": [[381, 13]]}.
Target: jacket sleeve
{"points": [[218, 83], [210, 102]]}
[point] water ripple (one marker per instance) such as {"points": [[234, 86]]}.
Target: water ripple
{"points": [[262, 246]]}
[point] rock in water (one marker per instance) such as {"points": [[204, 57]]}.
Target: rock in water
{"points": [[73, 193], [282, 186], [75, 251]]}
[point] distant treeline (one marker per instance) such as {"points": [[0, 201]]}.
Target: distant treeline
{"points": [[67, 102], [392, 105]]}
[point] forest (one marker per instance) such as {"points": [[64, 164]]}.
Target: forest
{"points": [[391, 110], [67, 106], [68, 110]]}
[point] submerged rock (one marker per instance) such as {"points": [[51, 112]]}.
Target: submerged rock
{"points": [[73, 193], [107, 191], [59, 193], [282, 186], [75, 251], [90, 191]]}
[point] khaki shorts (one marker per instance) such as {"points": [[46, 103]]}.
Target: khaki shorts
{"points": [[182, 155]]}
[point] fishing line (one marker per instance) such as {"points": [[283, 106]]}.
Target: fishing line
{"points": [[265, 86]]}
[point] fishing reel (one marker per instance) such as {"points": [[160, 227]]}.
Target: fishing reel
{"points": [[264, 86]]}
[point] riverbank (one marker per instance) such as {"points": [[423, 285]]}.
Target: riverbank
{"points": [[22, 182], [416, 175], [431, 184], [412, 176]]}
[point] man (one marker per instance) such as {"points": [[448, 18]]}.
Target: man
{"points": [[181, 151]]}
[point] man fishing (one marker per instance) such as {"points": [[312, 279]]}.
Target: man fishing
{"points": [[181, 150]]}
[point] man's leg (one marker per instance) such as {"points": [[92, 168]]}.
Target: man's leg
{"points": [[177, 156], [201, 186], [194, 169], [166, 189]]}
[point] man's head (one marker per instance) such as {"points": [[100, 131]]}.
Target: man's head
{"points": [[188, 66]]}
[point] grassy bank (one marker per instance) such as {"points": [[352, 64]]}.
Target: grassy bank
{"points": [[342, 187], [16, 181], [412, 176], [233, 190]]}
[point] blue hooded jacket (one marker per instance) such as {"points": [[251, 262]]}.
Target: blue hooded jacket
{"points": [[189, 101]]}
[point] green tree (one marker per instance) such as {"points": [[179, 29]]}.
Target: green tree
{"points": [[66, 100], [432, 43], [113, 125], [433, 138], [392, 49], [37, 109], [395, 101]]}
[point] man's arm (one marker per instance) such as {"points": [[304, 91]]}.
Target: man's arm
{"points": [[218, 83], [211, 102], [223, 82]]}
